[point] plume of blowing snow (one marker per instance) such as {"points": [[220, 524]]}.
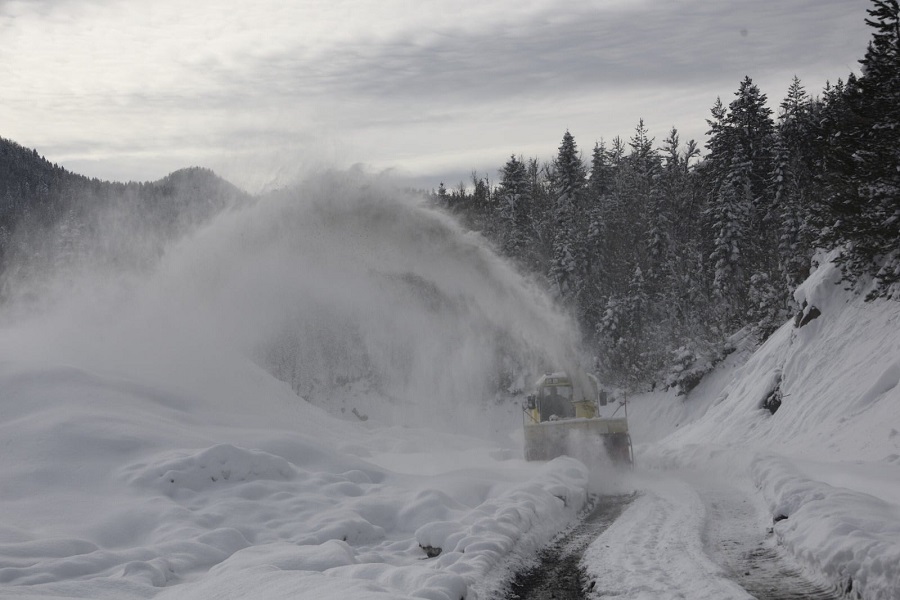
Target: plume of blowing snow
{"points": [[149, 452], [360, 297]]}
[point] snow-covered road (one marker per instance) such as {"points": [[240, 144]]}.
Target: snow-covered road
{"points": [[557, 574], [698, 534], [738, 535], [656, 548]]}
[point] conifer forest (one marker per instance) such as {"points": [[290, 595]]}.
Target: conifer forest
{"points": [[668, 254]]}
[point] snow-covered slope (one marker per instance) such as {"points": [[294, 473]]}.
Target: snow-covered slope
{"points": [[115, 488], [838, 376], [827, 462]]}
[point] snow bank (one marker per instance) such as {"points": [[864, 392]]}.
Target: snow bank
{"points": [[210, 467], [851, 538], [488, 543]]}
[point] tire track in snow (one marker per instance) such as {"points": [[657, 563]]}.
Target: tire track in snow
{"points": [[654, 551], [559, 575], [686, 537], [741, 545]]}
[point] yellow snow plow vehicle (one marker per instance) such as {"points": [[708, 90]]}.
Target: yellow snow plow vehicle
{"points": [[572, 416]]}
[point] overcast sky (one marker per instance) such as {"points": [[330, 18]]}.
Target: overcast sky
{"points": [[262, 91]]}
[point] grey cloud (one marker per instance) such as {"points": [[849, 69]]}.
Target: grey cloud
{"points": [[455, 88], [547, 58], [666, 43]]}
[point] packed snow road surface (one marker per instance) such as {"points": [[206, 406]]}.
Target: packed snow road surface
{"points": [[688, 535], [743, 544], [693, 535], [654, 550]]}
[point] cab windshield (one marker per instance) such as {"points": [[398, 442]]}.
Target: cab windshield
{"points": [[557, 390]]}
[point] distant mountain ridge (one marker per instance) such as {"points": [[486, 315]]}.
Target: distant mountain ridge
{"points": [[47, 212]]}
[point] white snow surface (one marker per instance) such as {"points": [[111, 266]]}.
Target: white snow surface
{"points": [[823, 471], [145, 455], [115, 488]]}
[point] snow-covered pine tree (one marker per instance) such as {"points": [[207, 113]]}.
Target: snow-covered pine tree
{"points": [[635, 212], [602, 171], [740, 164], [482, 205], [678, 184], [597, 195], [659, 230], [443, 198], [568, 184], [610, 220], [692, 344], [599, 185], [627, 211], [728, 216], [650, 226], [514, 216], [679, 273], [540, 238], [795, 184], [835, 158], [864, 198]]}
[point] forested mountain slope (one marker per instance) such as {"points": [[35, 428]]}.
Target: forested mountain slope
{"points": [[663, 254], [51, 218]]}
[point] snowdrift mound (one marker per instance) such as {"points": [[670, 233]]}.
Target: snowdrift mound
{"points": [[118, 489], [221, 464], [211, 509], [850, 537]]}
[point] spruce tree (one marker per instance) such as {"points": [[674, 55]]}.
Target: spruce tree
{"points": [[740, 165], [514, 217], [795, 184], [568, 184], [864, 185], [540, 237]]}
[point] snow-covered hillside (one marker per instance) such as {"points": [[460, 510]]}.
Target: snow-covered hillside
{"points": [[838, 376], [824, 467]]}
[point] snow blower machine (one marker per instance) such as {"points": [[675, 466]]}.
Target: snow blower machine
{"points": [[573, 416]]}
